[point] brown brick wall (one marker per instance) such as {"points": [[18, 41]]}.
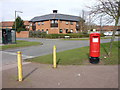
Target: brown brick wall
{"points": [[22, 34], [9, 24], [53, 31], [68, 26], [61, 25], [45, 26], [107, 28]]}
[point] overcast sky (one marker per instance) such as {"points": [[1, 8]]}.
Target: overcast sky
{"points": [[32, 8]]}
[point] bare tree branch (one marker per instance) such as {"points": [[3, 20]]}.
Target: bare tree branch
{"points": [[110, 9]]}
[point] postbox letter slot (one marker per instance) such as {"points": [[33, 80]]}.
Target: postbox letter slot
{"points": [[95, 39]]}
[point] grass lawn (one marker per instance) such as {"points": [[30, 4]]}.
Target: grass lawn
{"points": [[85, 38], [80, 56], [20, 43]]}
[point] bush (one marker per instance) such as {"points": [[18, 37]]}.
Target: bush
{"points": [[21, 29], [102, 35], [38, 34]]}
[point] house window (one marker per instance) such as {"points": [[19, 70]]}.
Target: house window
{"points": [[42, 30], [66, 23], [42, 23], [60, 31], [71, 30], [54, 23], [30, 24], [46, 31], [71, 23], [66, 30], [38, 23], [77, 25], [33, 26]]}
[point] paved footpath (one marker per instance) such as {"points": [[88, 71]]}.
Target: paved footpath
{"points": [[71, 76]]}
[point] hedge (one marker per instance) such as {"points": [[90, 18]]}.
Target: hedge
{"points": [[38, 34]]}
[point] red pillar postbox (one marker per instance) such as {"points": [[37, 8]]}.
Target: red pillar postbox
{"points": [[94, 47]]}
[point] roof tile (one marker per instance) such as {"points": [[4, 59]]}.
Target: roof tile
{"points": [[55, 16]]}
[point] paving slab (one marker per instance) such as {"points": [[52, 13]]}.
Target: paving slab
{"points": [[69, 76]]}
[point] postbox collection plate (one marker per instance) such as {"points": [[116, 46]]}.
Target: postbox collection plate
{"points": [[95, 39]]}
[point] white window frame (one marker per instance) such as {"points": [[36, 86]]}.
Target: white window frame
{"points": [[56, 21], [38, 23], [71, 23], [42, 23], [66, 22], [42, 30], [30, 24], [71, 30], [60, 30], [52, 21]]}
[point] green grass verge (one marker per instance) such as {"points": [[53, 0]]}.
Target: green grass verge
{"points": [[80, 56], [20, 43], [85, 38]]}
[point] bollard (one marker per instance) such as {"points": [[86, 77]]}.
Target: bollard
{"points": [[19, 57], [54, 57]]}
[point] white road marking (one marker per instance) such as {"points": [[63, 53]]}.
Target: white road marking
{"points": [[9, 53], [24, 56], [14, 63]]}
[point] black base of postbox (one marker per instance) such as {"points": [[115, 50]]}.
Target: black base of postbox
{"points": [[94, 60]]}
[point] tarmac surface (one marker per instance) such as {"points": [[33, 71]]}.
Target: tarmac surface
{"points": [[70, 76], [9, 56], [44, 76]]}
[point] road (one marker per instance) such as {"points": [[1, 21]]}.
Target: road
{"points": [[9, 56]]}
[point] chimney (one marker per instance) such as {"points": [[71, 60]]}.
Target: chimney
{"points": [[55, 11]]}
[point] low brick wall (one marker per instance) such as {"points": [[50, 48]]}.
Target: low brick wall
{"points": [[22, 34]]}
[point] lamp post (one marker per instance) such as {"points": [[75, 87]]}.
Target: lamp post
{"points": [[15, 22]]}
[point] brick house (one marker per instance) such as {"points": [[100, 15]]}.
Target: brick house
{"points": [[55, 23], [106, 28], [9, 24]]}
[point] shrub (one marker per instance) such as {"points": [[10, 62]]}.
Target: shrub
{"points": [[21, 29], [38, 34], [102, 35]]}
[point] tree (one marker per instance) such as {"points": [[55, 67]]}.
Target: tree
{"points": [[19, 25], [109, 9], [86, 22], [80, 23]]}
